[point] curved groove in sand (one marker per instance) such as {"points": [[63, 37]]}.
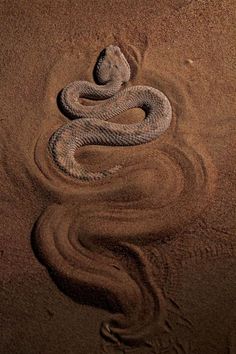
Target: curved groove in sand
{"points": [[93, 244], [96, 250], [137, 308]]}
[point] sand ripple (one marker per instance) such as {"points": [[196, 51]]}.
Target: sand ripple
{"points": [[94, 250], [92, 238]]}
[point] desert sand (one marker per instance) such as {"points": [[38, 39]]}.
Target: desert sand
{"points": [[143, 261]]}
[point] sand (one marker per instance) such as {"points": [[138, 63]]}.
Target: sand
{"points": [[146, 257]]}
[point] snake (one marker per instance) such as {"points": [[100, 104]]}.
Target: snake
{"points": [[89, 124]]}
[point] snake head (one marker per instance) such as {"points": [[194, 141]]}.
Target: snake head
{"points": [[111, 65]]}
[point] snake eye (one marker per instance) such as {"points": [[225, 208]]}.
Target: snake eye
{"points": [[102, 54]]}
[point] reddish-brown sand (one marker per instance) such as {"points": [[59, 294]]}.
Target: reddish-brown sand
{"points": [[151, 251]]}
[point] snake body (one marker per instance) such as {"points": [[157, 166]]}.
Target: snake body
{"points": [[90, 126]]}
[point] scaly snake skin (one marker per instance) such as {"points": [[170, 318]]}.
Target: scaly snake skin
{"points": [[90, 126]]}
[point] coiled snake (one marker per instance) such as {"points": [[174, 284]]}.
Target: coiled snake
{"points": [[90, 125]]}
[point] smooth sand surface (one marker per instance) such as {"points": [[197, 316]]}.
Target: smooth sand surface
{"points": [[146, 257]]}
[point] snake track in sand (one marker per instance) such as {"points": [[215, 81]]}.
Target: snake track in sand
{"points": [[94, 241], [90, 125]]}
